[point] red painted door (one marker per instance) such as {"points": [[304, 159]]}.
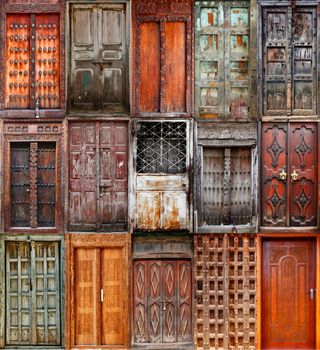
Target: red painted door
{"points": [[288, 300], [289, 174], [162, 301]]}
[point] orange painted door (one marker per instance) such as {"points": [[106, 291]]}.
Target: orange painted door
{"points": [[99, 297], [288, 298]]}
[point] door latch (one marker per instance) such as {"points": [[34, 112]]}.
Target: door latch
{"points": [[312, 293], [101, 295]]}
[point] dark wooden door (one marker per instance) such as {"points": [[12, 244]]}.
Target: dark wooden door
{"points": [[33, 61], [289, 60], [33, 177], [98, 176], [99, 57], [162, 301], [33, 293], [288, 299], [289, 174], [99, 297]]}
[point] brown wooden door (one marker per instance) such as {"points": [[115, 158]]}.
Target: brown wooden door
{"points": [[98, 176], [289, 174], [288, 304], [33, 61], [33, 177], [99, 57], [33, 293], [162, 301], [99, 297]]}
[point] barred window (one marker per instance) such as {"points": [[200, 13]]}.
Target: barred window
{"points": [[161, 147]]}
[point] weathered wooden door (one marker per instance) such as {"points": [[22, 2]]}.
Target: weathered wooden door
{"points": [[222, 54], [98, 176], [32, 61], [99, 297], [162, 301], [33, 293], [288, 294], [33, 177], [99, 57], [289, 60], [289, 174]]}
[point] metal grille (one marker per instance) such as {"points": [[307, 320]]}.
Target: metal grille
{"points": [[161, 147]]}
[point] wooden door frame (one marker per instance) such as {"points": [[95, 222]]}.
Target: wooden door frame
{"points": [[309, 236], [27, 239], [94, 240]]}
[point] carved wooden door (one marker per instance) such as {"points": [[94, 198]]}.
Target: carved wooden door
{"points": [[288, 295], [98, 176], [33, 184], [289, 174], [32, 61], [162, 301], [99, 297], [222, 54], [33, 293], [99, 57], [289, 61]]}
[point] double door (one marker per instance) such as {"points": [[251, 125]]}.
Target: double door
{"points": [[162, 301], [98, 176], [289, 174], [32, 294], [98, 300]]}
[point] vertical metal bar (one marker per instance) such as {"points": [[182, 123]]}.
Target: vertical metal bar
{"points": [[33, 184]]}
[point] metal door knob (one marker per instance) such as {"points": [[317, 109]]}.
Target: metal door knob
{"points": [[283, 175], [294, 175]]}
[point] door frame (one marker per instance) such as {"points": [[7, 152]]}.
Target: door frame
{"points": [[94, 240], [27, 239], [309, 236]]}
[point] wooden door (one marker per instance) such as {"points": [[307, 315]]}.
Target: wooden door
{"points": [[33, 180], [99, 297], [98, 176], [288, 300], [162, 301], [99, 57], [289, 174], [33, 294], [33, 61], [289, 61]]}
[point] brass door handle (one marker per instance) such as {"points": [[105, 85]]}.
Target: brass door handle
{"points": [[283, 175], [294, 175]]}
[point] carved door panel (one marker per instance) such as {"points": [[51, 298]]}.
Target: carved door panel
{"points": [[33, 182], [289, 61], [99, 297], [288, 304], [33, 61], [304, 163], [162, 301], [33, 293], [99, 57], [98, 202], [222, 53], [289, 172]]}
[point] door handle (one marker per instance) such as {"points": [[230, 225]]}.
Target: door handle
{"points": [[312, 292], [101, 295], [164, 307], [283, 175], [294, 175]]}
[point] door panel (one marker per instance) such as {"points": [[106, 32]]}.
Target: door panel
{"points": [[274, 161], [20, 184], [112, 310], [33, 293], [87, 293], [162, 301], [304, 162], [288, 309], [99, 58], [175, 92]]}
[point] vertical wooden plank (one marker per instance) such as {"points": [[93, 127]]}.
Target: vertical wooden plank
{"points": [[112, 307], [33, 184], [150, 67], [175, 72], [87, 293]]}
